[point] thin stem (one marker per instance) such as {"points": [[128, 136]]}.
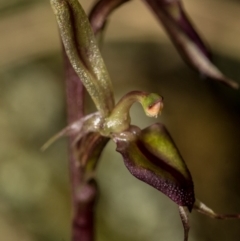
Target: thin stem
{"points": [[184, 213], [83, 215], [83, 222], [75, 109]]}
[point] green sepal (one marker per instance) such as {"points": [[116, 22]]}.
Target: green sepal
{"points": [[83, 53]]}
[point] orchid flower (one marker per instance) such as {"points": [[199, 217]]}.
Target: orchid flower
{"points": [[149, 154]]}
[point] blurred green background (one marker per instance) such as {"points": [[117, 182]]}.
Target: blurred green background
{"points": [[202, 117]]}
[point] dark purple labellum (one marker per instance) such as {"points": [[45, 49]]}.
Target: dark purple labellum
{"points": [[154, 159]]}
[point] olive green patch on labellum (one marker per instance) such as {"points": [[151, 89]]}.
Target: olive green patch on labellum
{"points": [[153, 158]]}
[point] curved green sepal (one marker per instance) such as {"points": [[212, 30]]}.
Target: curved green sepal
{"points": [[153, 158], [119, 119], [83, 52]]}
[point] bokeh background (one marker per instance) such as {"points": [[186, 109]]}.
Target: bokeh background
{"points": [[202, 117]]}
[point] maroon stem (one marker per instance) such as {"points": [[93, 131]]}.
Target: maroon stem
{"points": [[75, 95], [83, 194], [83, 223]]}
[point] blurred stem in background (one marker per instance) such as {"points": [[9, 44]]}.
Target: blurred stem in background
{"points": [[83, 201]]}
